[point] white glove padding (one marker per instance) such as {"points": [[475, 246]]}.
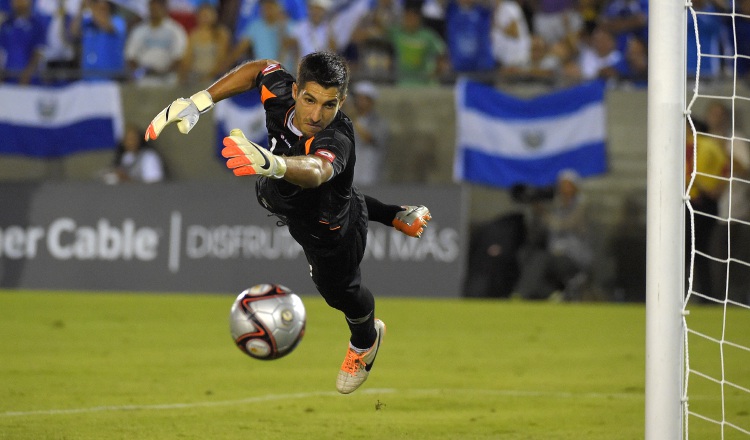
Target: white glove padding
{"points": [[246, 158], [183, 111]]}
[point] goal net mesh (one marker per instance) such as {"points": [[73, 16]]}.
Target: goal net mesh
{"points": [[716, 400]]}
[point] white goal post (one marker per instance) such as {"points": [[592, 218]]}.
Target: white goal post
{"points": [[665, 273]]}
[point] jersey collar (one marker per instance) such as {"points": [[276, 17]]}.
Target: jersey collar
{"points": [[291, 126]]}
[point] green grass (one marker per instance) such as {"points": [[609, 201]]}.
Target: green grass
{"points": [[136, 366]]}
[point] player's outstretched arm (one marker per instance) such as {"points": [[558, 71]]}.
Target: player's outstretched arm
{"points": [[247, 158], [186, 112], [238, 80]]}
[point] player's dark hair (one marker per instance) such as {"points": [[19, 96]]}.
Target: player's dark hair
{"points": [[325, 68]]}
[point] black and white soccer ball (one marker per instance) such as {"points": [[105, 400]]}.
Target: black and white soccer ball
{"points": [[267, 321]]}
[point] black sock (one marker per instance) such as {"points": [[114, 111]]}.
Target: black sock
{"points": [[363, 331], [362, 321], [380, 212]]}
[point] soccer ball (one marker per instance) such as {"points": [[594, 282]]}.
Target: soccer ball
{"points": [[267, 321]]}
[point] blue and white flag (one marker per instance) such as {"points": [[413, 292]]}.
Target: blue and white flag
{"points": [[50, 122], [243, 111], [503, 140]]}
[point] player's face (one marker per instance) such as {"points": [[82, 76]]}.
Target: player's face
{"points": [[315, 107]]}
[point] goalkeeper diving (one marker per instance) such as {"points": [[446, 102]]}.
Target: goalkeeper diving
{"points": [[305, 179]]}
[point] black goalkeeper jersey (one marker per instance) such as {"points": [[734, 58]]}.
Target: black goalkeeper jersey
{"points": [[314, 215]]}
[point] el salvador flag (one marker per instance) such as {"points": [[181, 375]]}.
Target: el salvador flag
{"points": [[50, 122], [243, 111], [503, 140]]}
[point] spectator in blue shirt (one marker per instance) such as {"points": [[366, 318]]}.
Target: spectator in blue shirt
{"points": [[4, 12], [468, 25], [633, 68], [249, 10], [22, 38], [270, 36], [626, 19], [103, 37], [742, 36]]}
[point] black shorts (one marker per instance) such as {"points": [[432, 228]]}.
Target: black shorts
{"points": [[334, 264]]}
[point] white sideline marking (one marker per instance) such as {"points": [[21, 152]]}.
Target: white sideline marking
{"points": [[291, 396]]}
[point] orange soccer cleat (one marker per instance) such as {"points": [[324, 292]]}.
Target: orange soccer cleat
{"points": [[412, 220], [356, 366]]}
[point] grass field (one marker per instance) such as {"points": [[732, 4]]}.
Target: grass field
{"points": [[137, 366]]}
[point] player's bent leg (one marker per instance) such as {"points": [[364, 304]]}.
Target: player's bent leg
{"points": [[357, 365], [412, 220]]}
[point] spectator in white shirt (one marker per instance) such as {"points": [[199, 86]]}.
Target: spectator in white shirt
{"points": [[371, 133], [600, 58], [156, 47], [315, 33], [511, 40]]}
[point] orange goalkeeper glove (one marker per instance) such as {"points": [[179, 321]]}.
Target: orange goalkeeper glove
{"points": [[246, 158]]}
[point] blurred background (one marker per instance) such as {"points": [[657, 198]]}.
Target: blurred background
{"points": [[521, 125]]}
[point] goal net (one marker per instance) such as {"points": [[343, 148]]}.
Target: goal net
{"points": [[698, 324], [716, 389]]}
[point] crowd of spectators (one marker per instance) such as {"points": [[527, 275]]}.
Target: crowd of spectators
{"points": [[404, 42]]}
